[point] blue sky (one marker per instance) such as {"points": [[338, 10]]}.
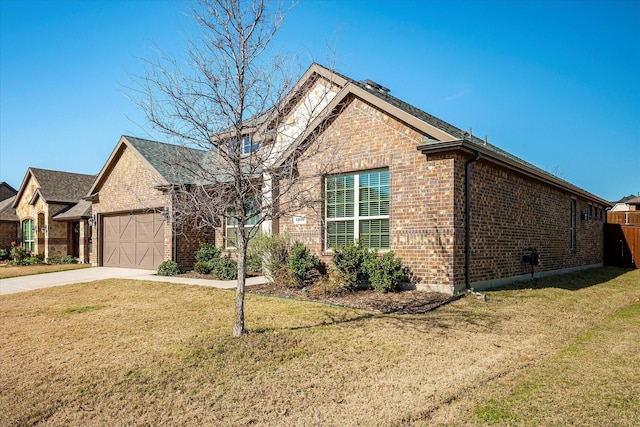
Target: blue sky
{"points": [[555, 83]]}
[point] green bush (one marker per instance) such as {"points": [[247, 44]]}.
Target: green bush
{"points": [[302, 264], [18, 253], [225, 269], [168, 268], [385, 273], [207, 252], [69, 259], [268, 252], [203, 267], [4, 254], [350, 260]]}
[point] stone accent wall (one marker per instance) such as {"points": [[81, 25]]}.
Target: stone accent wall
{"points": [[53, 242], [129, 187]]}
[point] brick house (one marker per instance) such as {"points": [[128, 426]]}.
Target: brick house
{"points": [[459, 211], [43, 203], [132, 211], [9, 221]]}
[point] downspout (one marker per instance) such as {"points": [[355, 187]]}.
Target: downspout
{"points": [[467, 212]]}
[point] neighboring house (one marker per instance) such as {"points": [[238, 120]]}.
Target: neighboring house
{"points": [[132, 211], [628, 203], [9, 222], [459, 211], [42, 204], [626, 211]]}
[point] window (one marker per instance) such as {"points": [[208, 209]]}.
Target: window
{"points": [[28, 234], [232, 224], [357, 208], [246, 145], [573, 224]]}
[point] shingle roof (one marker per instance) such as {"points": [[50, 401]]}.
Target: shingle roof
{"points": [[7, 212], [62, 187], [79, 211], [171, 161]]}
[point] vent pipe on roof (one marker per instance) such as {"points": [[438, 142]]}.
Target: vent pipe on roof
{"points": [[371, 85]]}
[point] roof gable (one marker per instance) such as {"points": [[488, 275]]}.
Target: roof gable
{"points": [[169, 161], [56, 186]]}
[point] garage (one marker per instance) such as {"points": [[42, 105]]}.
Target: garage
{"points": [[133, 240]]}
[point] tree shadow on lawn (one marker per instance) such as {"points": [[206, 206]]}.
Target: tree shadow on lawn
{"points": [[570, 281]]}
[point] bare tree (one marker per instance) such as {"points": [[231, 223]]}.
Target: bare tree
{"points": [[234, 100]]}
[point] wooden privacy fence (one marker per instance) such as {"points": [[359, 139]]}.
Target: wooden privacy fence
{"points": [[624, 217], [622, 245]]}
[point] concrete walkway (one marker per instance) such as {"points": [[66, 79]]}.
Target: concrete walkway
{"points": [[47, 280]]}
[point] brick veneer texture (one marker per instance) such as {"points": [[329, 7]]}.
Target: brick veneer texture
{"points": [[509, 211]]}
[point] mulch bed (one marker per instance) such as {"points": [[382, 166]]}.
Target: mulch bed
{"points": [[404, 302]]}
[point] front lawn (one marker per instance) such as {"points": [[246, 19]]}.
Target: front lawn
{"points": [[7, 271], [122, 352]]}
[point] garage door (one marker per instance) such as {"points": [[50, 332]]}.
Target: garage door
{"points": [[134, 241]]}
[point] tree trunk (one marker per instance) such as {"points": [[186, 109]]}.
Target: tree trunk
{"points": [[238, 325]]}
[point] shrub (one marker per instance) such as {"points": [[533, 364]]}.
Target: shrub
{"points": [[334, 284], [18, 253], [225, 269], [350, 260], [69, 259], [284, 278], [207, 252], [268, 252], [203, 267], [302, 264], [386, 273], [168, 268], [4, 254]]}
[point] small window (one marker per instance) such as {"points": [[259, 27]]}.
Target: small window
{"points": [[231, 229], [246, 145], [28, 234]]}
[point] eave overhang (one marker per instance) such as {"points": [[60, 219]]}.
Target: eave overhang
{"points": [[467, 147]]}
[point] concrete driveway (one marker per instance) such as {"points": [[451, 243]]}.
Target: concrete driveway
{"points": [[47, 280]]}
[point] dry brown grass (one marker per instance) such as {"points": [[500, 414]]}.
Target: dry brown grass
{"points": [[120, 352], [7, 271]]}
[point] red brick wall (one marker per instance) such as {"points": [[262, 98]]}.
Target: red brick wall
{"points": [[509, 211], [8, 234], [421, 221]]}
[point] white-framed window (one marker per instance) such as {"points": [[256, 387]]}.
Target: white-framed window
{"points": [[28, 234], [246, 145], [357, 209], [231, 225], [573, 224]]}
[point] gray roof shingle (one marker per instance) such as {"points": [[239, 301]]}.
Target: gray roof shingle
{"points": [[171, 161], [62, 187]]}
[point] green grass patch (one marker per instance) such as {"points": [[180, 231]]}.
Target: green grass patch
{"points": [[84, 309]]}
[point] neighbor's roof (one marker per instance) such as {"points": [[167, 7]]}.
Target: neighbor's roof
{"points": [[57, 186], [7, 211], [77, 212], [174, 163], [171, 161], [633, 201]]}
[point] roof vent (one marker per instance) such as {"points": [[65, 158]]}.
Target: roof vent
{"points": [[371, 85]]}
